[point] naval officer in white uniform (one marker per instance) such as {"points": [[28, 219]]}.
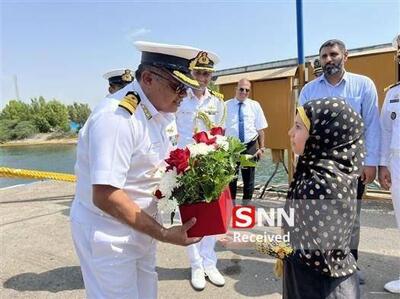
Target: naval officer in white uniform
{"points": [[114, 217], [389, 166], [201, 110], [118, 79]]}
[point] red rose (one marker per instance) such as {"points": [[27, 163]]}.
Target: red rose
{"points": [[217, 131], [179, 159], [202, 137], [158, 194]]}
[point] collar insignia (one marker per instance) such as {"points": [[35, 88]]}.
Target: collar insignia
{"points": [[146, 111]]}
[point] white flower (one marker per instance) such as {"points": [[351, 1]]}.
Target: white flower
{"points": [[222, 142], [200, 149], [167, 205], [168, 183], [160, 172]]}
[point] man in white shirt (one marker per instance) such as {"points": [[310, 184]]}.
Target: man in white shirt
{"points": [[114, 215], [389, 166], [118, 79], [201, 110], [246, 121]]}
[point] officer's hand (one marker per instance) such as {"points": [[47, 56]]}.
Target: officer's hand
{"points": [[368, 175], [384, 177], [178, 234]]}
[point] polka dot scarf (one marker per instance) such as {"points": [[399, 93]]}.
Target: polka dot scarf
{"points": [[323, 191]]}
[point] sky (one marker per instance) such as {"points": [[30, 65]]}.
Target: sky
{"points": [[61, 49]]}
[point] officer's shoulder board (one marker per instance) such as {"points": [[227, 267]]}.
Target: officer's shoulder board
{"points": [[217, 94], [391, 86], [130, 102]]}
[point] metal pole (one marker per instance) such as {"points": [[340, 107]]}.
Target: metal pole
{"points": [[300, 76], [300, 47], [16, 87]]}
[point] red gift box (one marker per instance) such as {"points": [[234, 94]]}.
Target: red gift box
{"points": [[211, 218]]}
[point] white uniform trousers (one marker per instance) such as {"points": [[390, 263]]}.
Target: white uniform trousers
{"points": [[395, 189], [112, 264], [202, 254]]}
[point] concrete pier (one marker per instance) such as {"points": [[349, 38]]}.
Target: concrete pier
{"points": [[38, 259]]}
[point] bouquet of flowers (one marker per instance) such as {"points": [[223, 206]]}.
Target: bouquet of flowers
{"points": [[201, 171], [279, 250]]}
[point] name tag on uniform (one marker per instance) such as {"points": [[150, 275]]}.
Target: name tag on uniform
{"points": [[172, 133], [211, 110], [394, 101]]}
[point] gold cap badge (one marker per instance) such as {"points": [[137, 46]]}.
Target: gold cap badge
{"points": [[201, 62]]}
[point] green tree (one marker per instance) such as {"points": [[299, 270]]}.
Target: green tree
{"points": [[79, 113], [41, 123], [37, 105], [24, 129], [20, 120], [6, 129], [38, 109], [15, 110], [56, 114]]}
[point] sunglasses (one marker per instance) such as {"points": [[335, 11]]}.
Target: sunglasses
{"points": [[241, 89], [178, 87]]}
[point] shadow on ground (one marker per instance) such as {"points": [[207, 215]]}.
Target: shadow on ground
{"points": [[56, 280], [248, 275]]}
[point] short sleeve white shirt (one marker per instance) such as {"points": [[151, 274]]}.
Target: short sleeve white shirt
{"points": [[122, 150], [254, 119], [187, 116], [390, 125]]}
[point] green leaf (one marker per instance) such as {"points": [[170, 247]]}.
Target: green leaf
{"points": [[247, 161]]}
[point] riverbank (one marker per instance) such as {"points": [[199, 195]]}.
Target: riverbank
{"points": [[42, 138]]}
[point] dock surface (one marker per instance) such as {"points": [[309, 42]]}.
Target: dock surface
{"points": [[38, 259]]}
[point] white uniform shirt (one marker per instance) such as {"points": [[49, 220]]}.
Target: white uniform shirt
{"points": [[122, 150], [254, 119], [187, 120], [390, 125]]}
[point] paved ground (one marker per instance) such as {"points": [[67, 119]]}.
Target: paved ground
{"points": [[38, 261]]}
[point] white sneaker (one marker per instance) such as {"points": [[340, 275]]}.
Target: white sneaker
{"points": [[215, 276], [393, 286], [198, 279]]}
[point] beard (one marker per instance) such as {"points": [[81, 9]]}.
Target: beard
{"points": [[333, 68]]}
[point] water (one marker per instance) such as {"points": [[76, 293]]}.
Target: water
{"points": [[61, 158], [57, 158]]}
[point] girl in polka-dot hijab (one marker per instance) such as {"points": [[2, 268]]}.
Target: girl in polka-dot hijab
{"points": [[327, 136]]}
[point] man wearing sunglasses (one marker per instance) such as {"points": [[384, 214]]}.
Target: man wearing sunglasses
{"points": [[246, 121], [114, 218], [201, 110]]}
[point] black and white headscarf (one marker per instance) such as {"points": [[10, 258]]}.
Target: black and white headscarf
{"points": [[324, 187]]}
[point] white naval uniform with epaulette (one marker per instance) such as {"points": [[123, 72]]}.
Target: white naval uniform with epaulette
{"points": [[125, 151], [390, 142], [195, 115]]}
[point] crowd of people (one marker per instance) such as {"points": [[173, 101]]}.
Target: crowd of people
{"points": [[341, 140]]}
